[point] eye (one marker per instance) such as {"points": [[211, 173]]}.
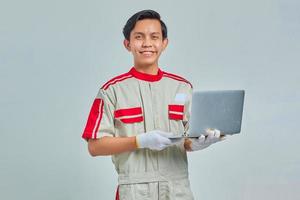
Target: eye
{"points": [[138, 37], [155, 37]]}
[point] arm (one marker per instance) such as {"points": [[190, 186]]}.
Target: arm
{"points": [[154, 140], [111, 145]]}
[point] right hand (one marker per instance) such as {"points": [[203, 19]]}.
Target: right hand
{"points": [[155, 140]]}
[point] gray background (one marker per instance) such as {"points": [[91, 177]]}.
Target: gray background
{"points": [[56, 54]]}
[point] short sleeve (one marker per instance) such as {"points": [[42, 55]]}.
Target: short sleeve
{"points": [[187, 110], [100, 121]]}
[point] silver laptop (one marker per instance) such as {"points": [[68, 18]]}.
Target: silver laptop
{"points": [[222, 109]]}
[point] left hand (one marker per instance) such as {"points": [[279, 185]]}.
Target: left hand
{"points": [[212, 136]]}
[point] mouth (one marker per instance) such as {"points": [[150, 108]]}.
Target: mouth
{"points": [[147, 53]]}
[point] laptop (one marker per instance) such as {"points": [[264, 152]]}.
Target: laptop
{"points": [[220, 109]]}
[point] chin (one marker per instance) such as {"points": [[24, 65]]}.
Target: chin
{"points": [[147, 62], [144, 65]]}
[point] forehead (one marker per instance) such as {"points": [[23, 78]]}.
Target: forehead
{"points": [[147, 26]]}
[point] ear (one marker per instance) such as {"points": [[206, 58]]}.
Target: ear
{"points": [[165, 43], [127, 44]]}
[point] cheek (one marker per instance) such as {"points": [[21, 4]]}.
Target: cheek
{"points": [[158, 46], [136, 44]]}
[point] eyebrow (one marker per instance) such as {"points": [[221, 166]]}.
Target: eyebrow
{"points": [[136, 33]]}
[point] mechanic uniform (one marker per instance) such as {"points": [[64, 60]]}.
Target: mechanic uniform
{"points": [[134, 103]]}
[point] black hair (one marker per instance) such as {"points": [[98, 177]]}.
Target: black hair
{"points": [[144, 14]]}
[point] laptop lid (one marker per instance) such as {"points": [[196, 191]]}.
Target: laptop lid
{"points": [[221, 109]]}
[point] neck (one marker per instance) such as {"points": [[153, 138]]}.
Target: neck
{"points": [[148, 69]]}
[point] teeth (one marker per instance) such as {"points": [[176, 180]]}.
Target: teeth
{"points": [[147, 52]]}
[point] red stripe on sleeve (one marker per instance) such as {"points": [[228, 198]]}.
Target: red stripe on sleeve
{"points": [[117, 194], [92, 119], [99, 121]]}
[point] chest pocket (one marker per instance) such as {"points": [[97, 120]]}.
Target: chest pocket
{"points": [[129, 121], [176, 115]]}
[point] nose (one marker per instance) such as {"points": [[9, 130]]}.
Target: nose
{"points": [[147, 42]]}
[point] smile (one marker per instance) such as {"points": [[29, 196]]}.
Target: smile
{"points": [[147, 53]]}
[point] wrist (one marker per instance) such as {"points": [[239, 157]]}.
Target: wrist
{"points": [[187, 144], [137, 143]]}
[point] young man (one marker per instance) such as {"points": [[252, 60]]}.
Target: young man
{"points": [[134, 113]]}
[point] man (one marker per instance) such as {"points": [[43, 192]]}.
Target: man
{"points": [[135, 112]]}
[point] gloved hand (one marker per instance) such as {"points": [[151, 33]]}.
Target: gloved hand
{"points": [[212, 136], [155, 140]]}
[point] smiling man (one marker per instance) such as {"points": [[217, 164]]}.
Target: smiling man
{"points": [[134, 113]]}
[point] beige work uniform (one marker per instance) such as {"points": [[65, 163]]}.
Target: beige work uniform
{"points": [[134, 103]]}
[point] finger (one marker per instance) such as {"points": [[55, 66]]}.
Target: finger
{"points": [[165, 141], [165, 134], [210, 135], [210, 139], [217, 133], [201, 138], [163, 146], [159, 148], [209, 131]]}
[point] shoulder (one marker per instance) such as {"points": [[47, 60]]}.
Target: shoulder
{"points": [[116, 79], [177, 78]]}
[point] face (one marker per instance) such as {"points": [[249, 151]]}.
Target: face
{"points": [[146, 43]]}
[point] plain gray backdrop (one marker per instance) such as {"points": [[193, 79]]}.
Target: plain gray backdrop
{"points": [[54, 56]]}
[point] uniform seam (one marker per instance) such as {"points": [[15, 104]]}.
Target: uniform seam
{"points": [[116, 80], [178, 79]]}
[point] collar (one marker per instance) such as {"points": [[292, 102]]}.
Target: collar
{"points": [[145, 76]]}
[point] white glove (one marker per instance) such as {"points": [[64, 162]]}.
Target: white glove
{"points": [[155, 140], [213, 136]]}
